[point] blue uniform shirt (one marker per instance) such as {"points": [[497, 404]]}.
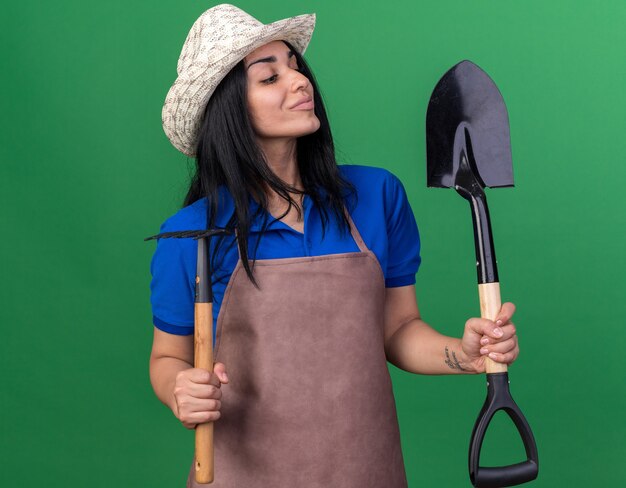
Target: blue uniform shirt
{"points": [[382, 215]]}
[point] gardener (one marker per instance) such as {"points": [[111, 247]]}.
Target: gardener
{"points": [[314, 291]]}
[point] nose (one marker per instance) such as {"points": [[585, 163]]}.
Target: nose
{"points": [[299, 82]]}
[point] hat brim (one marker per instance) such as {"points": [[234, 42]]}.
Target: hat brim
{"points": [[187, 98]]}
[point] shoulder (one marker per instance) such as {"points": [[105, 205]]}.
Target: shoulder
{"points": [[187, 218], [194, 216], [374, 186], [385, 220], [367, 176]]}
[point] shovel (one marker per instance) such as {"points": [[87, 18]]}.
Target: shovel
{"points": [[203, 339], [468, 148]]}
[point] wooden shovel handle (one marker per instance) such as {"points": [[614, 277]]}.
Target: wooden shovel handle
{"points": [[203, 358], [490, 305]]}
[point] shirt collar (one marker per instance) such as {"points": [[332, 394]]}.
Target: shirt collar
{"points": [[257, 214]]}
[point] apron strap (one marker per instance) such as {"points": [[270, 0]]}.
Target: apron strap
{"points": [[355, 233]]}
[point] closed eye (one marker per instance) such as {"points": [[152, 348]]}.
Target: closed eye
{"points": [[269, 80]]}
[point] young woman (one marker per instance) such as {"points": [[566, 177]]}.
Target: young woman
{"points": [[315, 291]]}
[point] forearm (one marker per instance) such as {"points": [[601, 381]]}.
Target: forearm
{"points": [[418, 348], [163, 371]]}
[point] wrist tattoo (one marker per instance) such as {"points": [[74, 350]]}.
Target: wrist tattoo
{"points": [[453, 362]]}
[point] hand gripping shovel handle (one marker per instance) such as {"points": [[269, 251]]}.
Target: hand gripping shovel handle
{"points": [[490, 304], [499, 398], [468, 148], [498, 395]]}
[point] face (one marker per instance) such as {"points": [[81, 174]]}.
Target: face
{"points": [[280, 98]]}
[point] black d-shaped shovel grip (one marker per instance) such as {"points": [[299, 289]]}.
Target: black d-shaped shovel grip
{"points": [[499, 398]]}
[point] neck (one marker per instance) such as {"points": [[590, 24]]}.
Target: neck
{"points": [[281, 158]]}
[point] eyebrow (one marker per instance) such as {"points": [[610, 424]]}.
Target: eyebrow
{"points": [[269, 59]]}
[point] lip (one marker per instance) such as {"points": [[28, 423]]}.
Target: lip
{"points": [[304, 104]]}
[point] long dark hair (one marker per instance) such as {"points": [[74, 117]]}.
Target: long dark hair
{"points": [[227, 154]]}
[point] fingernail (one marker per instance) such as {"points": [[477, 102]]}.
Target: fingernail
{"points": [[497, 331], [499, 322], [492, 355], [225, 377], [484, 350], [484, 341]]}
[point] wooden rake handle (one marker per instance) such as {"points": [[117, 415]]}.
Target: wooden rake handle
{"points": [[203, 358], [203, 337]]}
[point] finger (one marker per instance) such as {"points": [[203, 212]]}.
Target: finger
{"points": [[220, 370], [195, 375], [506, 358], [508, 331], [201, 417], [199, 376], [215, 380], [198, 390], [208, 405], [485, 328], [189, 406], [506, 312], [501, 347]]}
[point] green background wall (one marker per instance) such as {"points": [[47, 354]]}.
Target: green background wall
{"points": [[86, 173]]}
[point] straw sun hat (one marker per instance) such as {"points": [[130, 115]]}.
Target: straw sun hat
{"points": [[220, 38]]}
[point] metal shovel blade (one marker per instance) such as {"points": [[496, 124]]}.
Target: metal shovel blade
{"points": [[467, 115]]}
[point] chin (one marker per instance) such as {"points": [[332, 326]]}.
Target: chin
{"points": [[294, 129], [311, 128]]}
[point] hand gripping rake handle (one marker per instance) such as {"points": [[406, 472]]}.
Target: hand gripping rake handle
{"points": [[203, 339]]}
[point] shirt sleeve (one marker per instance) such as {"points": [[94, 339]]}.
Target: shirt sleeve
{"points": [[402, 234], [172, 286]]}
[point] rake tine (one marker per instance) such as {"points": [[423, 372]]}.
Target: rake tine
{"points": [[193, 234]]}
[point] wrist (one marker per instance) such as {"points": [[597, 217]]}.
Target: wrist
{"points": [[457, 361]]}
